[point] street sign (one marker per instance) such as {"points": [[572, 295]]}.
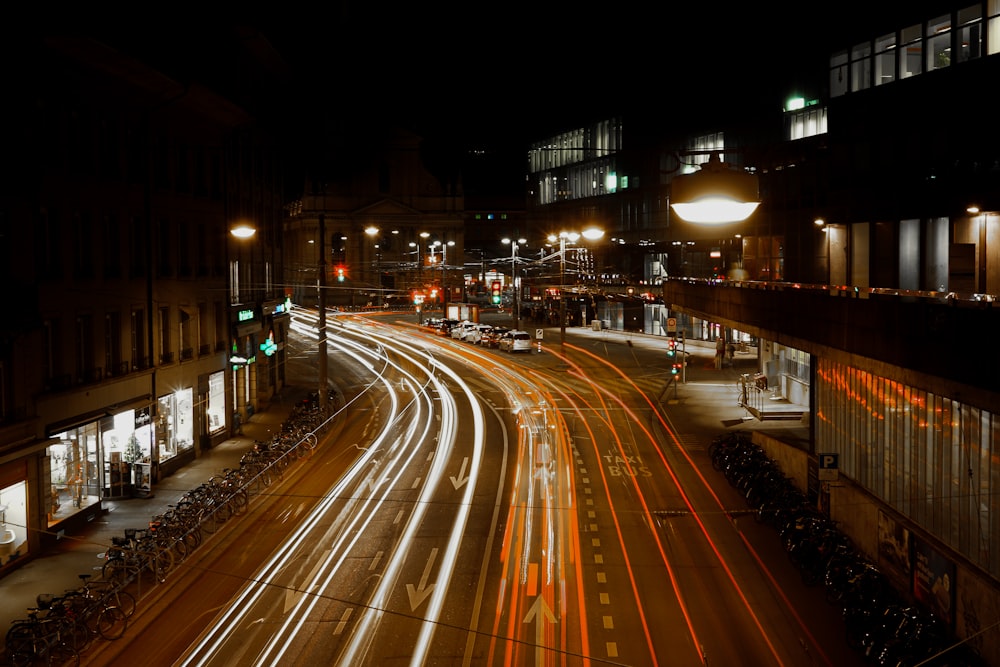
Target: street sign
{"points": [[671, 325], [829, 467], [539, 333]]}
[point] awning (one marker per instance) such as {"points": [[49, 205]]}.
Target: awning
{"points": [[94, 415]]}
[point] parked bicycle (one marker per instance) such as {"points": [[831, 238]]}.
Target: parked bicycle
{"points": [[41, 640]]}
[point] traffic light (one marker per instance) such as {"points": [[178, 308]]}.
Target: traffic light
{"points": [[341, 272], [495, 291], [671, 348]]}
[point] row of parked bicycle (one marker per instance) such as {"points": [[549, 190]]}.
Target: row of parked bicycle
{"points": [[487, 335], [61, 627], [879, 621]]}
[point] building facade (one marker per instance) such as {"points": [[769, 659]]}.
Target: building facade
{"points": [[868, 279], [142, 340], [384, 229]]}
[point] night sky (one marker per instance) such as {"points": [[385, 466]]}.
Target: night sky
{"points": [[516, 69]]}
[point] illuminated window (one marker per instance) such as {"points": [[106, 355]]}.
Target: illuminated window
{"points": [[912, 51], [885, 59], [993, 32], [970, 33], [861, 66], [938, 43]]}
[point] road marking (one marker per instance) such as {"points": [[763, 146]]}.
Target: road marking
{"points": [[342, 623], [462, 478], [293, 595], [419, 594], [540, 609]]}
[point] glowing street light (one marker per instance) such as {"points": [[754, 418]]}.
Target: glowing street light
{"points": [[373, 232], [715, 194]]}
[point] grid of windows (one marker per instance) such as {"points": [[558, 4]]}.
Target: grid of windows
{"points": [[927, 456], [577, 164], [937, 43]]}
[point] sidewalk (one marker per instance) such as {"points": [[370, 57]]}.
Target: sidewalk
{"points": [[709, 395], [57, 570]]}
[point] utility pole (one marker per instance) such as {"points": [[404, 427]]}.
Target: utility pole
{"points": [[321, 301]]}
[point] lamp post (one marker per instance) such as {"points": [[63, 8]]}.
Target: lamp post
{"points": [[373, 231], [420, 268], [591, 234], [513, 276], [444, 261], [240, 294], [321, 325]]}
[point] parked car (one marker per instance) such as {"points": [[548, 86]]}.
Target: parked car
{"points": [[492, 338], [445, 326], [515, 341], [459, 330], [476, 335]]}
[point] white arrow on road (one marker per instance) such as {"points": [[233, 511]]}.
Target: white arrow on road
{"points": [[460, 481], [293, 595], [544, 613], [419, 594]]}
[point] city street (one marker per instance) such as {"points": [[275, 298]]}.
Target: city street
{"points": [[592, 525]]}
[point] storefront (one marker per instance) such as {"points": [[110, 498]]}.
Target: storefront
{"points": [[74, 472], [109, 455], [215, 406], [13, 511]]}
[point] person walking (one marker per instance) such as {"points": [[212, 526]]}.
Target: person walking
{"points": [[720, 351]]}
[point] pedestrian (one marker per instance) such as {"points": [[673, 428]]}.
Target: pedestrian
{"points": [[730, 352], [720, 351]]}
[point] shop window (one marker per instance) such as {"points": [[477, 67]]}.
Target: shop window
{"points": [[73, 472], [215, 411], [13, 522], [174, 424]]}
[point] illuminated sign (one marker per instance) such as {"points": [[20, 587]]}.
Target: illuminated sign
{"points": [[269, 347], [245, 315]]}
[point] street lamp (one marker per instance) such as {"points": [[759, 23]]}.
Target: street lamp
{"points": [[242, 232], [591, 234], [513, 275], [420, 268], [373, 231], [715, 194], [444, 261]]}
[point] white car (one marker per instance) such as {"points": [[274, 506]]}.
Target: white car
{"points": [[476, 335], [516, 341], [459, 330]]}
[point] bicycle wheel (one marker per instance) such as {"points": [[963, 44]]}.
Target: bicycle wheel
{"points": [[61, 654], [111, 622], [20, 643], [124, 601], [117, 572]]}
